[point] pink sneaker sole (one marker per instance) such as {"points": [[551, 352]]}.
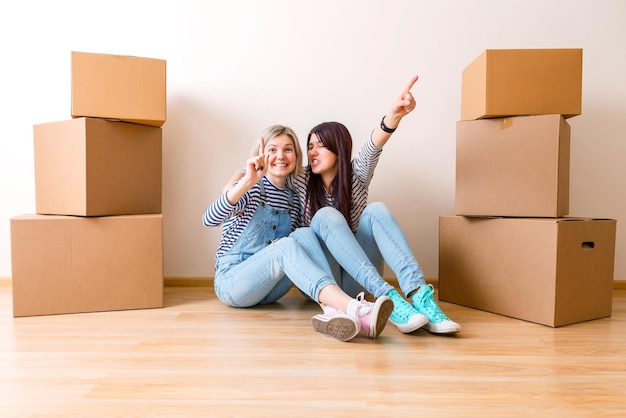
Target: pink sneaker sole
{"points": [[382, 311], [340, 326]]}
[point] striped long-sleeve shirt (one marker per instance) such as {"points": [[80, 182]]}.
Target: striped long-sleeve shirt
{"points": [[235, 218], [363, 166]]}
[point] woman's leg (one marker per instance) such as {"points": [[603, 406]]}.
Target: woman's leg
{"points": [[269, 274], [332, 229], [262, 278], [372, 316], [321, 256], [379, 232], [380, 235]]}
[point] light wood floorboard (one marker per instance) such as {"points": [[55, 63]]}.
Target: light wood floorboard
{"points": [[198, 358]]}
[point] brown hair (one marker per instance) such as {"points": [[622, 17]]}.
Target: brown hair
{"points": [[337, 139]]}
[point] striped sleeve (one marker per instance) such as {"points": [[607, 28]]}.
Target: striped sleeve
{"points": [[365, 163], [221, 210], [363, 167]]}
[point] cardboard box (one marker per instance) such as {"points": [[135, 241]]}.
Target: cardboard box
{"points": [[513, 82], [119, 87], [548, 271], [516, 166], [65, 264], [95, 167]]}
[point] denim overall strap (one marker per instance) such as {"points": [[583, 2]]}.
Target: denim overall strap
{"points": [[267, 225]]}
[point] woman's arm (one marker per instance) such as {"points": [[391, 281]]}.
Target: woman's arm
{"points": [[237, 175], [256, 168], [402, 107]]}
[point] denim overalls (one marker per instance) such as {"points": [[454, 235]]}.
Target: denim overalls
{"points": [[249, 274]]}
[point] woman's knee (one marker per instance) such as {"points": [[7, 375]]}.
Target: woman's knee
{"points": [[286, 243], [326, 216], [307, 239], [224, 295], [376, 208], [303, 234]]}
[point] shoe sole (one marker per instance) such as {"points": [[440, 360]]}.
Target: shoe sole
{"points": [[382, 311], [410, 327], [341, 328], [435, 329]]}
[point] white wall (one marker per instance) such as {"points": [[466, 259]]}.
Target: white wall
{"points": [[235, 67]]}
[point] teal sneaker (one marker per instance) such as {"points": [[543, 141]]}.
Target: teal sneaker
{"points": [[404, 316], [438, 322]]}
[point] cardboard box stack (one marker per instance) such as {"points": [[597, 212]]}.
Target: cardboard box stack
{"points": [[511, 247], [96, 241]]}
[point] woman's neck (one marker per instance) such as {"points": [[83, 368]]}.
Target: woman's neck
{"points": [[327, 181], [278, 181], [328, 176]]}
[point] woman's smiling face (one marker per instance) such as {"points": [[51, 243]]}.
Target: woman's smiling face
{"points": [[281, 157]]}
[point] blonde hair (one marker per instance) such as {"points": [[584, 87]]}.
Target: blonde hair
{"points": [[272, 132]]}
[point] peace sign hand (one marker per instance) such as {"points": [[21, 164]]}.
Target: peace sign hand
{"points": [[257, 165]]}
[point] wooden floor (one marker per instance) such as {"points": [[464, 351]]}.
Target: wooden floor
{"points": [[199, 358]]}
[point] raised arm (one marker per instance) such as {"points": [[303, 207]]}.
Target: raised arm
{"points": [[403, 105]]}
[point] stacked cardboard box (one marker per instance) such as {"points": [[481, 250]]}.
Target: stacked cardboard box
{"points": [[511, 247], [96, 241]]}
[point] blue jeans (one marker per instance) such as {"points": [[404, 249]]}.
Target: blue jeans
{"points": [[268, 275], [265, 263], [360, 259]]}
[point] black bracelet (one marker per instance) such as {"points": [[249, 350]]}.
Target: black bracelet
{"points": [[385, 127]]}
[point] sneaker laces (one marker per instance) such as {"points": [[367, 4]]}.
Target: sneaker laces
{"points": [[428, 306], [401, 307], [365, 307]]}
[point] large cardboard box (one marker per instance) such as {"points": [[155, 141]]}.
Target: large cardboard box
{"points": [[66, 264], [511, 82], [548, 271], [516, 166], [95, 167], [119, 87]]}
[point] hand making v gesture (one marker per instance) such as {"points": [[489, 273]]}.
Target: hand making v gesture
{"points": [[256, 169]]}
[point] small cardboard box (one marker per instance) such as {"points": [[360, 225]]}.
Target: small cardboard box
{"points": [[516, 166], [67, 264], [95, 167], [552, 272], [513, 82], [119, 87]]}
